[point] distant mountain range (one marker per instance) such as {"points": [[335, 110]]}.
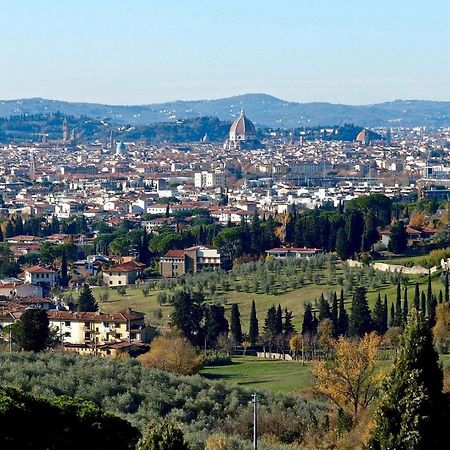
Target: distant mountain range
{"points": [[264, 110]]}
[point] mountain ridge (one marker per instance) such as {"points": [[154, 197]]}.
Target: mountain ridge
{"points": [[263, 109]]}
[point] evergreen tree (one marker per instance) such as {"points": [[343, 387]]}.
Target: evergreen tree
{"points": [[398, 307], [187, 316], [64, 277], [398, 238], [392, 319], [417, 297], [86, 300], [279, 325], [167, 211], [423, 304], [215, 324], [271, 325], [441, 297], [405, 307], [342, 247], [429, 291], [432, 312], [255, 235], [343, 316], [447, 293], [235, 325], [308, 320], [370, 235], [324, 309], [360, 321], [315, 323], [32, 330], [253, 332], [288, 327], [335, 315], [1, 235], [9, 231], [378, 316], [412, 413], [385, 313]]}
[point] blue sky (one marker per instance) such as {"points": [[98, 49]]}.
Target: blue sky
{"points": [[144, 51]]}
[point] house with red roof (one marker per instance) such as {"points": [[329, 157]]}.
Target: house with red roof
{"points": [[123, 274]]}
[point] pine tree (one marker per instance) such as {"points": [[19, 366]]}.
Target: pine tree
{"points": [[215, 324], [86, 301], [405, 307], [417, 297], [253, 332], [342, 247], [32, 330], [411, 413], [279, 323], [235, 325], [378, 316], [343, 316], [271, 325], [360, 321], [398, 307]]}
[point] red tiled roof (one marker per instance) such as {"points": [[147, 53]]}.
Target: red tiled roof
{"points": [[38, 269], [175, 254]]}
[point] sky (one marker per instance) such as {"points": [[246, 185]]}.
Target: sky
{"points": [[147, 51]]}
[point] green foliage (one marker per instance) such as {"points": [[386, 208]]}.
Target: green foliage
{"points": [[235, 324], [398, 238], [163, 435], [59, 423], [31, 332], [86, 300], [413, 410], [127, 389], [360, 321], [253, 328]]}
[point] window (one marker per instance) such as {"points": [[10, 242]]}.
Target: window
{"points": [[120, 281], [106, 324], [67, 323], [110, 282], [48, 275]]}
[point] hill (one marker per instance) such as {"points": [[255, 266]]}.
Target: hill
{"points": [[263, 109]]}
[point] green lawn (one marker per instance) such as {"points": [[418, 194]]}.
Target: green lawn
{"points": [[249, 371]]}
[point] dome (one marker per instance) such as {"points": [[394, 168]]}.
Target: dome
{"points": [[242, 129], [121, 148], [366, 136]]}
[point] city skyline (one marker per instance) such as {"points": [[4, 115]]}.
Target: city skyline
{"points": [[140, 53]]}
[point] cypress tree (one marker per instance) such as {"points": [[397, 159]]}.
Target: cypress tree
{"points": [[288, 327], [417, 297], [1, 235], [334, 315], [412, 410], [378, 316], [423, 304], [447, 293], [235, 324], [86, 301], [308, 321], [360, 321], [441, 297], [429, 290], [315, 323], [385, 311], [432, 312], [253, 332], [405, 307], [398, 307], [279, 323], [324, 309], [343, 316], [64, 278], [392, 320]]}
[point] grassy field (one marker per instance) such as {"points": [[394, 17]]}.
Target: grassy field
{"points": [[293, 299], [278, 376]]}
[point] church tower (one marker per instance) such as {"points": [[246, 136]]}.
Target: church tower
{"points": [[65, 130]]}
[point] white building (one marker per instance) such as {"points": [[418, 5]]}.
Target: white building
{"points": [[209, 180]]}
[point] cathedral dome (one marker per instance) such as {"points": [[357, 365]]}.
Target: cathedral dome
{"points": [[242, 129]]}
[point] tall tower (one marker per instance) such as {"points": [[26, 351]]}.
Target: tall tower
{"points": [[32, 163], [65, 130]]}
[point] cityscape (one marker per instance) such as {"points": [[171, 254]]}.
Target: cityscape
{"points": [[213, 241]]}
